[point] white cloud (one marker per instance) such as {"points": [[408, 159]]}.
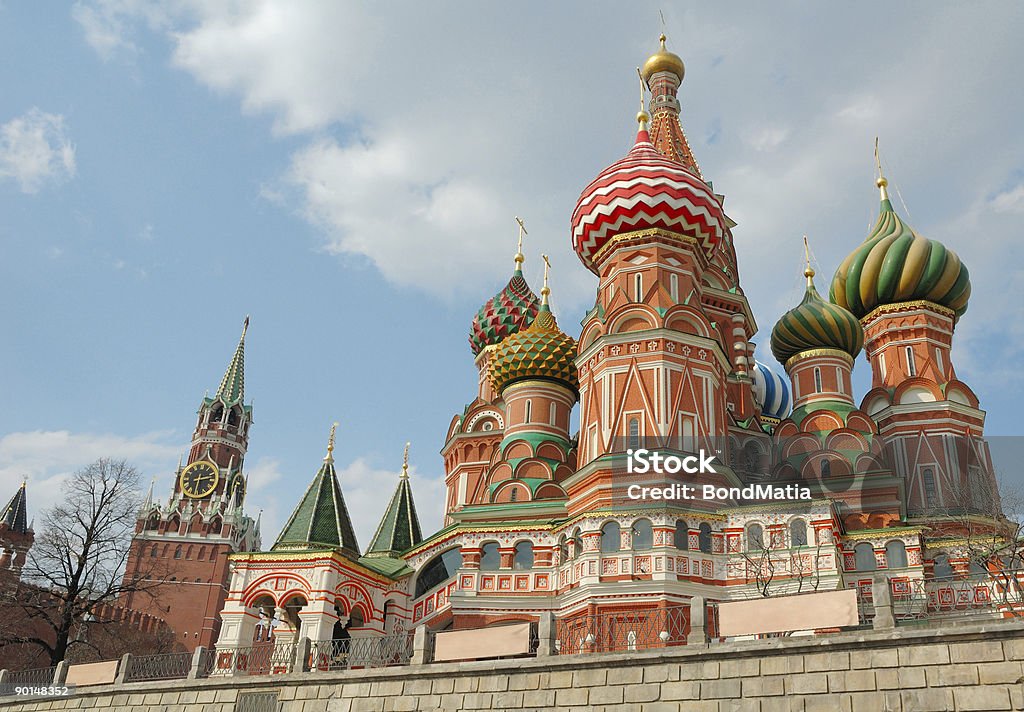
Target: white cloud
{"points": [[109, 25], [35, 150], [1009, 201], [767, 138], [47, 457]]}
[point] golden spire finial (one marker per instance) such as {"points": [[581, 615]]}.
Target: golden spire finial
{"points": [[405, 463], [808, 270], [662, 38], [519, 248], [245, 325], [641, 116], [330, 444], [545, 291], [881, 182]]}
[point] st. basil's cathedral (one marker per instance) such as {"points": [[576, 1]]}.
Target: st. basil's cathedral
{"points": [[901, 482]]}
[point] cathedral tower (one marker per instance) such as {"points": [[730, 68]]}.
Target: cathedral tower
{"points": [[188, 539], [16, 535]]}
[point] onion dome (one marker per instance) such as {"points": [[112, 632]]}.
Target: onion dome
{"points": [[504, 314], [642, 191], [816, 324], [895, 264], [771, 392], [663, 61], [540, 351]]}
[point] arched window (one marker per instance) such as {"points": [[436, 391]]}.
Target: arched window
{"points": [[681, 538], [755, 537], [524, 556], [152, 552], [610, 540], [563, 549], [942, 570], [931, 493], [529, 411], [864, 556], [177, 552], [826, 468], [817, 380], [911, 363], [202, 553], [577, 543], [153, 522], [643, 535], [896, 555], [634, 433], [798, 533], [490, 558], [438, 570], [673, 287], [215, 526], [638, 287], [513, 494], [704, 537]]}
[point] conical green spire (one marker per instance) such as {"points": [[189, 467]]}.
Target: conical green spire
{"points": [[15, 513], [321, 520], [399, 529], [232, 386]]}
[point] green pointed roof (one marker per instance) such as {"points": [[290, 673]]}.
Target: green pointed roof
{"points": [[399, 528], [232, 386], [321, 519], [15, 514]]}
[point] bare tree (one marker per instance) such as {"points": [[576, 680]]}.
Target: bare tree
{"points": [[76, 568]]}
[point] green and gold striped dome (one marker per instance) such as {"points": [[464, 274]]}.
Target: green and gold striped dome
{"points": [[539, 351], [895, 264], [816, 324]]}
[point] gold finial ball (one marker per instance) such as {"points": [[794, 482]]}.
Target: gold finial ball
{"points": [[809, 271], [663, 61], [520, 257], [881, 182], [642, 117]]}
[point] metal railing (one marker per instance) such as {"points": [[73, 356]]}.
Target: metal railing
{"points": [[169, 666], [260, 659], [37, 676], [353, 653], [996, 595], [624, 631]]}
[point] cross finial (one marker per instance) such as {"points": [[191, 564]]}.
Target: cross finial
{"points": [[545, 290], [641, 115], [881, 182], [330, 443], [808, 270], [405, 463], [519, 247]]}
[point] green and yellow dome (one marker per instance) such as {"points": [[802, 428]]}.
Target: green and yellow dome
{"points": [[895, 264], [538, 351], [816, 324]]}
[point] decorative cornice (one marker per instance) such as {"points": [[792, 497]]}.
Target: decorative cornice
{"points": [[613, 243], [907, 306], [818, 353]]}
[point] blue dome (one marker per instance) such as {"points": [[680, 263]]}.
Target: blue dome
{"points": [[771, 392]]}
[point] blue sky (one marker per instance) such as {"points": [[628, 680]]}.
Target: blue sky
{"points": [[348, 175]]}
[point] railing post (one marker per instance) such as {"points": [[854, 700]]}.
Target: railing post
{"points": [[61, 673], [419, 646], [698, 622], [546, 634], [302, 651], [122, 669], [881, 595], [195, 670]]}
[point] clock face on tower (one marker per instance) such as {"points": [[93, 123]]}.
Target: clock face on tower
{"points": [[199, 479]]}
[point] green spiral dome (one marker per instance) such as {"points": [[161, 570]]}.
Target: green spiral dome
{"points": [[539, 351], [895, 264], [815, 324]]}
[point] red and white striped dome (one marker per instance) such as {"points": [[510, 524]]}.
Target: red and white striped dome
{"points": [[645, 190]]}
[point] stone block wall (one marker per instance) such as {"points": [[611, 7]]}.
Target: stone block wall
{"points": [[965, 667]]}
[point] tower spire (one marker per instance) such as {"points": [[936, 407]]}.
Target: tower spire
{"points": [[641, 116], [881, 181], [405, 463], [399, 528], [663, 73], [329, 457], [232, 386], [15, 513]]}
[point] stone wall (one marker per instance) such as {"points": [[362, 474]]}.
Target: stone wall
{"points": [[965, 667]]}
